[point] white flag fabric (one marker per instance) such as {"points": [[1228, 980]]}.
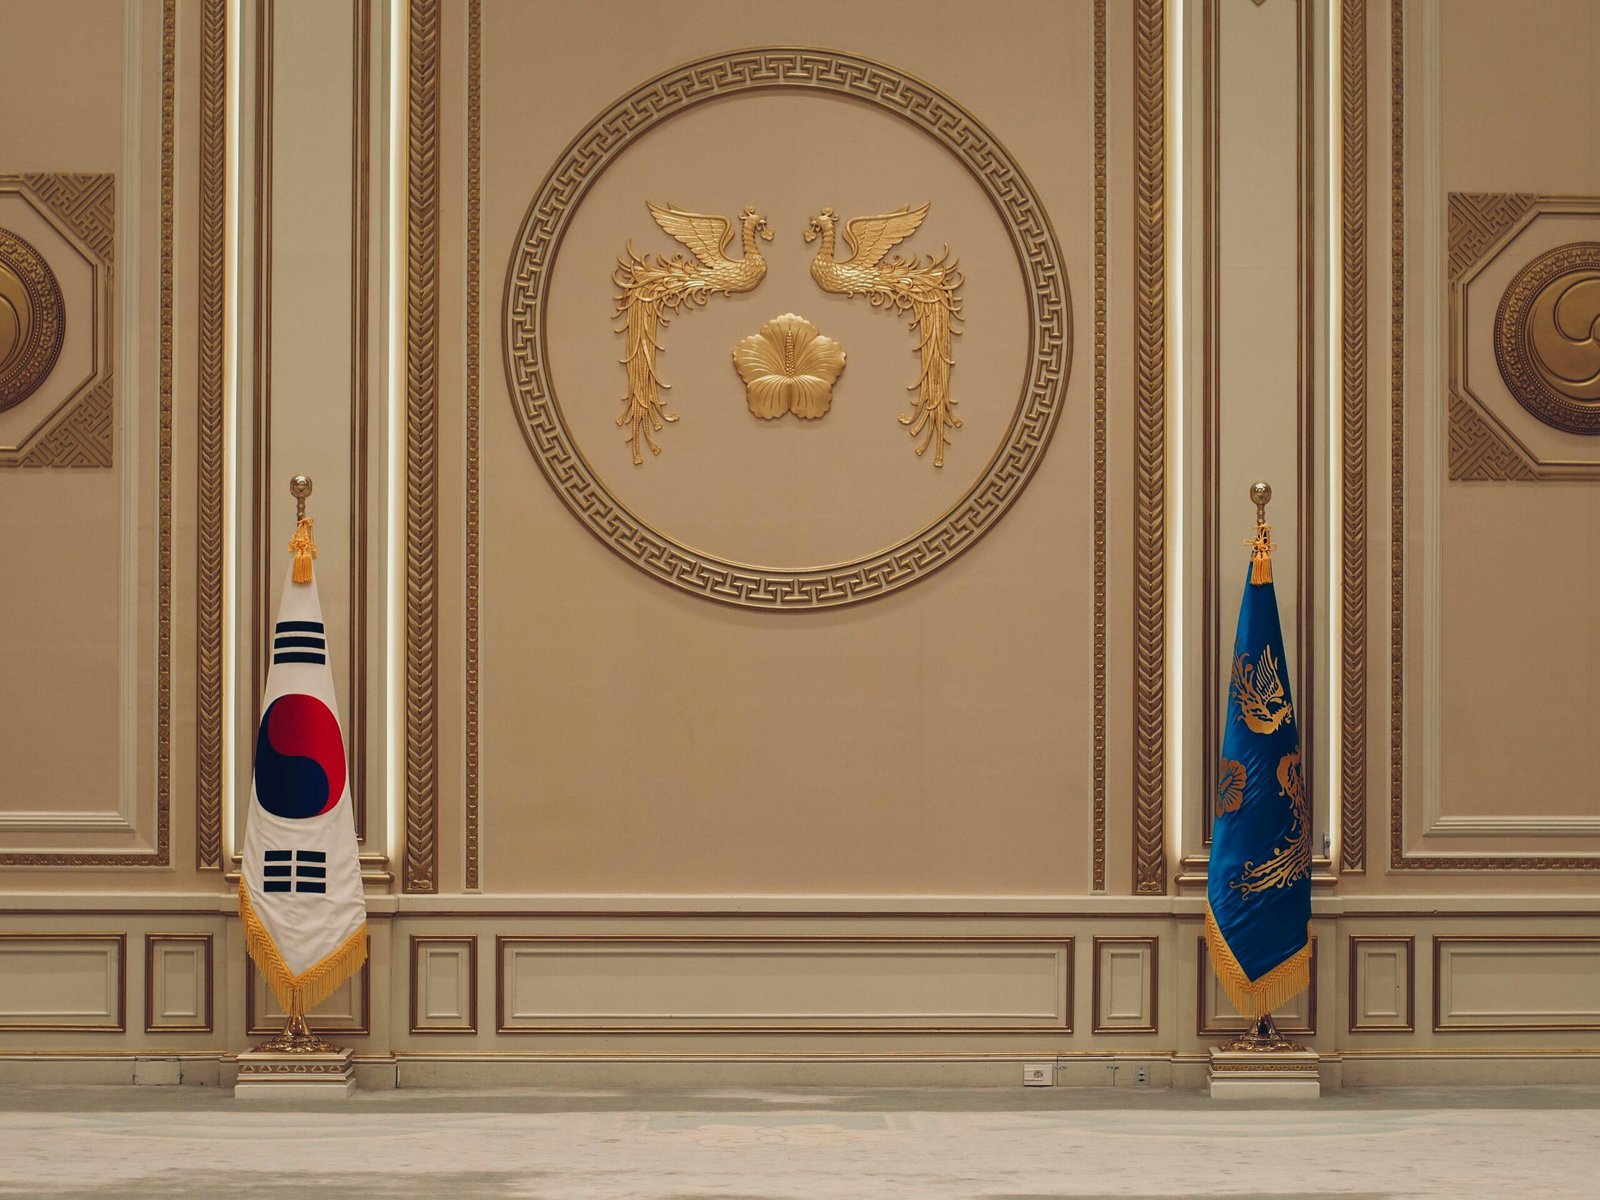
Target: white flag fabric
{"points": [[300, 893]]}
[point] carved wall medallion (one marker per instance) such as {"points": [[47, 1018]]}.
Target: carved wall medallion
{"points": [[1547, 337], [788, 367], [765, 70], [33, 320], [655, 288], [924, 290]]}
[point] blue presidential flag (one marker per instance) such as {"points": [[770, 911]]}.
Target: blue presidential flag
{"points": [[1258, 888]]}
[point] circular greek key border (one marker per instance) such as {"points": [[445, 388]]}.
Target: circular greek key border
{"points": [[782, 69], [49, 326], [1515, 356]]}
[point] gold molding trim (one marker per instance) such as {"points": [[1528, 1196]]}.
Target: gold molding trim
{"points": [[121, 940], [1354, 440], [89, 201], [1068, 944], [360, 396], [1153, 983], [1210, 415], [1358, 940], [204, 1026], [469, 940], [1100, 511], [828, 72], [1150, 437], [473, 437], [1397, 430], [1399, 860], [1439, 942], [420, 869], [210, 519]]}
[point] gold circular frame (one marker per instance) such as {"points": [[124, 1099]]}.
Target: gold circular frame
{"points": [[1517, 336], [781, 68], [29, 289]]}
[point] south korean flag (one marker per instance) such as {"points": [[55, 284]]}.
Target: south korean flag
{"points": [[300, 893]]}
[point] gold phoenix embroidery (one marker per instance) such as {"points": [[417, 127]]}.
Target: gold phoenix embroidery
{"points": [[655, 286], [788, 367], [1291, 862], [1230, 787], [1259, 693], [924, 288]]}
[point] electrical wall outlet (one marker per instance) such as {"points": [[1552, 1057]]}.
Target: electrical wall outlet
{"points": [[1038, 1074], [1143, 1075]]}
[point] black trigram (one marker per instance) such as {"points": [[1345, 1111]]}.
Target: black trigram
{"points": [[294, 871], [299, 642]]}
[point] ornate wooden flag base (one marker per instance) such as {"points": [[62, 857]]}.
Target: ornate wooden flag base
{"points": [[296, 1064], [1262, 1064]]}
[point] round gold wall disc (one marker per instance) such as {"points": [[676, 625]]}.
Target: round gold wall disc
{"points": [[1547, 337], [33, 320], [927, 544]]}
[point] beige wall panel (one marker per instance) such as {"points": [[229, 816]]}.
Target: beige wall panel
{"points": [[1508, 984], [637, 739], [1126, 984], [1382, 978], [179, 989], [444, 984], [84, 747], [783, 984], [1499, 663], [63, 983]]}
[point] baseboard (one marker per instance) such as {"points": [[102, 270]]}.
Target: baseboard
{"points": [[1154, 1070]]}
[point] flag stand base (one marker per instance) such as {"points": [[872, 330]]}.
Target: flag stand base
{"points": [[1262, 1064], [295, 1065]]}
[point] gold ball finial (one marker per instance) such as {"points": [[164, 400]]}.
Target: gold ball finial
{"points": [[1260, 493], [300, 487]]}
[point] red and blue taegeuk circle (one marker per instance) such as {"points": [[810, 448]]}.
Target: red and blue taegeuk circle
{"points": [[300, 768]]}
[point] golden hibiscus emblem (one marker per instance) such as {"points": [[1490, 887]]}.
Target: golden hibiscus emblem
{"points": [[1230, 787], [788, 367]]}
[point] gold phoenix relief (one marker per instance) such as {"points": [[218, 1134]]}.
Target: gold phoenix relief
{"points": [[788, 367], [1547, 337], [1259, 692], [33, 320], [924, 289], [655, 288], [1293, 861]]}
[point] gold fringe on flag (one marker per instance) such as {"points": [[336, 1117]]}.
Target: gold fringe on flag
{"points": [[304, 551], [1256, 998], [1261, 548], [299, 993]]}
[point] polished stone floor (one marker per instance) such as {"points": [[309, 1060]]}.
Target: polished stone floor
{"points": [[66, 1143]]}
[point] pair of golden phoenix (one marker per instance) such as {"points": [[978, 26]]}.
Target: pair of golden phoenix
{"points": [[789, 366]]}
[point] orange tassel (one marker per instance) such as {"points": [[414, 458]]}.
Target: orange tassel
{"points": [[304, 551], [1261, 548]]}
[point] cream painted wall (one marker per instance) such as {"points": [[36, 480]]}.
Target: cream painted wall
{"points": [[725, 843]]}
